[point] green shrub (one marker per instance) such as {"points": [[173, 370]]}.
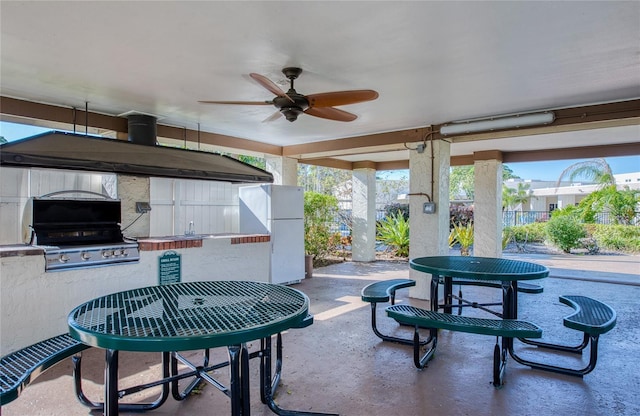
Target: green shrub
{"points": [[393, 231], [319, 213], [395, 208], [565, 232], [527, 233], [507, 236], [460, 214], [616, 237], [463, 235]]}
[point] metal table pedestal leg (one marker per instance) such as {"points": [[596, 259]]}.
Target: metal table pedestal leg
{"points": [[111, 383], [239, 380]]}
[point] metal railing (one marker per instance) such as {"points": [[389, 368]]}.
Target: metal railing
{"points": [[512, 218], [343, 221]]}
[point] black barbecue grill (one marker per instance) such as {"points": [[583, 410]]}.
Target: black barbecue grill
{"points": [[78, 233]]}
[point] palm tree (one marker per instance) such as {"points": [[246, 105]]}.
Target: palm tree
{"points": [[621, 204], [512, 197], [596, 170]]}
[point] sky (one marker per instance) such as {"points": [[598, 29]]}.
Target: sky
{"points": [[544, 171]]}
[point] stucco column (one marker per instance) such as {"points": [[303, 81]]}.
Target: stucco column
{"points": [[429, 233], [363, 245], [487, 206], [132, 189], [283, 169]]}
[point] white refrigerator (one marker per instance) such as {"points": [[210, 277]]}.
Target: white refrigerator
{"points": [[277, 210]]}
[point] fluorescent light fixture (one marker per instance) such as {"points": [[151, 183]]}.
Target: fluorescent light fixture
{"points": [[498, 123]]}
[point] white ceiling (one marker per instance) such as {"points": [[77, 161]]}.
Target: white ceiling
{"points": [[431, 62]]}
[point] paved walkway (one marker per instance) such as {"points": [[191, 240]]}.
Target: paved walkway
{"points": [[622, 269]]}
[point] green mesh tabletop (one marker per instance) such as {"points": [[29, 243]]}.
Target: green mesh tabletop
{"points": [[479, 268], [187, 316]]}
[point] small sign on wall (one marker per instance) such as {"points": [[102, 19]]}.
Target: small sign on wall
{"points": [[169, 268]]}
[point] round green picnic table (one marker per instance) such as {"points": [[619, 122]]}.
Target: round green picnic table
{"points": [[189, 316]]}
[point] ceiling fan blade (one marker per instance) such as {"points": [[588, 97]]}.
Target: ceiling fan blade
{"points": [[331, 113], [238, 102], [331, 99], [268, 84], [272, 117]]}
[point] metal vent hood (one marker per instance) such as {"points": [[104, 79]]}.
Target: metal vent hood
{"points": [[60, 150]]}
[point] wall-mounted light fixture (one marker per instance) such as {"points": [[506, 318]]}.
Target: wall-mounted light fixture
{"points": [[498, 123]]}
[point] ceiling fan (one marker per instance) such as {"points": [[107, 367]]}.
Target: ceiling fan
{"points": [[291, 104]]}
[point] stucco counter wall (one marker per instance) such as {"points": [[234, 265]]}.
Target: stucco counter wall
{"points": [[34, 304]]}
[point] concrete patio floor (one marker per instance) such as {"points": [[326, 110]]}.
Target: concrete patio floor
{"points": [[338, 365]]}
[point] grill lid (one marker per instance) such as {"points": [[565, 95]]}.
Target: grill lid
{"points": [[74, 221]]}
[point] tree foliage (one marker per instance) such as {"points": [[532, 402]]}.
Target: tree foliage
{"points": [[387, 190], [621, 204], [462, 180], [512, 197], [507, 173], [258, 162], [596, 170], [325, 180]]}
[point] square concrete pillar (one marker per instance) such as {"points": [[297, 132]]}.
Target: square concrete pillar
{"points": [[132, 189], [283, 169], [487, 207], [363, 245], [429, 233]]}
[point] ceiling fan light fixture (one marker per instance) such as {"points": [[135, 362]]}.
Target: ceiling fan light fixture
{"points": [[291, 113], [498, 123]]}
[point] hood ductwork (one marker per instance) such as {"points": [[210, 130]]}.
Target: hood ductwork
{"points": [[139, 156]]}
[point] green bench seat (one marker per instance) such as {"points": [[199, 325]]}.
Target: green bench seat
{"points": [[21, 367], [591, 317], [511, 328], [383, 292]]}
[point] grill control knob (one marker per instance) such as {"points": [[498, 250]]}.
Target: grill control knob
{"points": [[63, 258], [85, 255], [119, 252], [107, 253]]}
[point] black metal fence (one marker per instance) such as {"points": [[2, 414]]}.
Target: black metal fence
{"points": [[511, 218], [343, 222]]}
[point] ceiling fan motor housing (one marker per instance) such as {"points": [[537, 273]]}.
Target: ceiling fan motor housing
{"points": [[291, 110]]}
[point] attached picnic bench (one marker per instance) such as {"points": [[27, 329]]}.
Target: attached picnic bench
{"points": [[512, 328], [382, 292], [18, 369], [591, 317]]}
